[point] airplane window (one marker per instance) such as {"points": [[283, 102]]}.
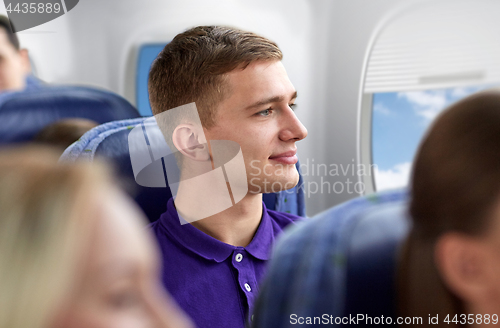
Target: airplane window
{"points": [[399, 122], [147, 53]]}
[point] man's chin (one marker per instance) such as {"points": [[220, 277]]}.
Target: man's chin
{"points": [[292, 183]]}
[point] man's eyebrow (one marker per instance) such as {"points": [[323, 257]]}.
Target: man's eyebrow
{"points": [[271, 100]]}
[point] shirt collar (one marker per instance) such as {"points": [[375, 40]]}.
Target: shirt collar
{"points": [[210, 248], [263, 240]]}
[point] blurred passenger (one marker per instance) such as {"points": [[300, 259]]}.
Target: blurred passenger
{"points": [[63, 133], [243, 94], [73, 250], [15, 67], [451, 263]]}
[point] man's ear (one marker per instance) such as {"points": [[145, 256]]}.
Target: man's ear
{"points": [[462, 262], [190, 142], [25, 58]]}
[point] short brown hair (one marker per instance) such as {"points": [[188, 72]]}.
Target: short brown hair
{"points": [[63, 133], [191, 67]]}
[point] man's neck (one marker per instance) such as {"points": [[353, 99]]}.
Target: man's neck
{"points": [[237, 225], [204, 192]]}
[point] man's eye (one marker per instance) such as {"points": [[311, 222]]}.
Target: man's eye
{"points": [[293, 106], [265, 112]]}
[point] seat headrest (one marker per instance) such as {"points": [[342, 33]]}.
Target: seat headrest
{"points": [[341, 262], [23, 114]]}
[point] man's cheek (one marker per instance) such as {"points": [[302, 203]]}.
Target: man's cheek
{"points": [[254, 168]]}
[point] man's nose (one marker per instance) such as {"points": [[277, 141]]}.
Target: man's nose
{"points": [[292, 128]]}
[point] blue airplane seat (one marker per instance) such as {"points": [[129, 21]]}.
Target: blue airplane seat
{"points": [[110, 141], [341, 263], [24, 113]]}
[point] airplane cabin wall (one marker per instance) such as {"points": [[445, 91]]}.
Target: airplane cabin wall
{"points": [[349, 26]]}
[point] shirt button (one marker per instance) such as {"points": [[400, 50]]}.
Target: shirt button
{"points": [[248, 288], [239, 257]]}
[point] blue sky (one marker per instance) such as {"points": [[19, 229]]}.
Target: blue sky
{"points": [[147, 54], [399, 122]]}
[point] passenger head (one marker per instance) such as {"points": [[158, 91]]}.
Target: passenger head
{"points": [[14, 62], [451, 264], [192, 67], [242, 93], [73, 250], [63, 133]]}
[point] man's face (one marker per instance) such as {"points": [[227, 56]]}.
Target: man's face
{"points": [[14, 65], [258, 116]]}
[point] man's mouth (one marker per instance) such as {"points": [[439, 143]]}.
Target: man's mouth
{"points": [[288, 157]]}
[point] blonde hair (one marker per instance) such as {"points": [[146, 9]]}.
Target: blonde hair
{"points": [[44, 218]]}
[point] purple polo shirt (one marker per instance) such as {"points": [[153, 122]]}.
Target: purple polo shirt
{"points": [[215, 283]]}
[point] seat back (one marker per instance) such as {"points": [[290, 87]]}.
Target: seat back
{"points": [[341, 262], [111, 141], [23, 114]]}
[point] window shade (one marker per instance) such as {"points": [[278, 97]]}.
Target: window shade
{"points": [[436, 45]]}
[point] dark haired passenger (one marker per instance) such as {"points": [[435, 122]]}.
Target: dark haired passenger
{"points": [[451, 262], [213, 266], [15, 67], [63, 133]]}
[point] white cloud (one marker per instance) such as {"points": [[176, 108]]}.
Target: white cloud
{"points": [[427, 104], [396, 177], [380, 108], [462, 92]]}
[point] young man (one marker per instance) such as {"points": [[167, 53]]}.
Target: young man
{"points": [[242, 93], [14, 62]]}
